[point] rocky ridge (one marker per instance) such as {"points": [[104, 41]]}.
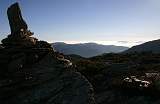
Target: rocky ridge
{"points": [[32, 72]]}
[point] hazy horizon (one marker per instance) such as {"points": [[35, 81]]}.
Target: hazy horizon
{"points": [[108, 22], [116, 43]]}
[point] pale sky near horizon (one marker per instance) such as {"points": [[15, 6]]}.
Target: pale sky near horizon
{"points": [[116, 22]]}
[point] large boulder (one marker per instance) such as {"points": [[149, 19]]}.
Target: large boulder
{"points": [[49, 82]]}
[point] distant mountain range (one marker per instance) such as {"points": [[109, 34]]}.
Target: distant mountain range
{"points": [[87, 49], [151, 46]]}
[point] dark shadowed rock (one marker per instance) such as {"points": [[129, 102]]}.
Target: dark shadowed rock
{"points": [[31, 72], [46, 82], [1, 47], [20, 35], [15, 19]]}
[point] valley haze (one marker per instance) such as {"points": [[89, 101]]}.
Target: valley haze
{"points": [[87, 49]]}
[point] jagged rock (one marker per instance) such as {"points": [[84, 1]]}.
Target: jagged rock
{"points": [[15, 19], [43, 44], [20, 35], [36, 74]]}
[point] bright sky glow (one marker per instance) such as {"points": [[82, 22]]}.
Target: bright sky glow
{"points": [[115, 22]]}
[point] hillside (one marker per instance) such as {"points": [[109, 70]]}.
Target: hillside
{"points": [[151, 46], [108, 72], [87, 49]]}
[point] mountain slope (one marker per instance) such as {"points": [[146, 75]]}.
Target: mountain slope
{"points": [[151, 46], [87, 49]]}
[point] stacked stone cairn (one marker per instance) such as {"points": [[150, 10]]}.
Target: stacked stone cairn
{"points": [[19, 49]]}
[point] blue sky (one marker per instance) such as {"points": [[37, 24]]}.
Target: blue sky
{"points": [[118, 22]]}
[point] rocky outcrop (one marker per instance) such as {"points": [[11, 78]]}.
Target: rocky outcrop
{"points": [[47, 81], [20, 35], [32, 72]]}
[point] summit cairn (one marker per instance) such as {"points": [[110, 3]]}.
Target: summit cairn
{"points": [[20, 35], [32, 72], [19, 49]]}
